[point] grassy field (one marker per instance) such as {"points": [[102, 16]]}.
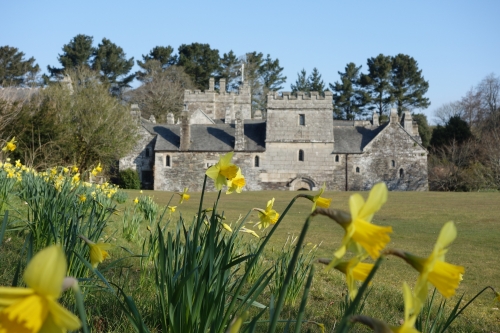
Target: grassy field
{"points": [[416, 218]]}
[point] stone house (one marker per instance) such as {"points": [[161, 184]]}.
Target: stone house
{"points": [[298, 147]]}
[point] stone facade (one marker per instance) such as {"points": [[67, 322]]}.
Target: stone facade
{"points": [[299, 145]]}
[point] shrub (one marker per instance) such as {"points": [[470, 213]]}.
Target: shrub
{"points": [[129, 179]]}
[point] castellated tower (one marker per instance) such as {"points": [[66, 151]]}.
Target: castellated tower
{"points": [[299, 139], [220, 104]]}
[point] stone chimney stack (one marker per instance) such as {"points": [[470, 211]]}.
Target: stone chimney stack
{"points": [[211, 84], [222, 85], [135, 112], [227, 117], [239, 132], [257, 115], [170, 118], [407, 122], [393, 118], [375, 119], [185, 131]]}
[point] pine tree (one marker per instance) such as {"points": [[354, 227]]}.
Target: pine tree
{"points": [[301, 84], [200, 62], [14, 69], [349, 99], [162, 54], [272, 74], [111, 62], [408, 86], [377, 83], [315, 83], [78, 52], [229, 69]]}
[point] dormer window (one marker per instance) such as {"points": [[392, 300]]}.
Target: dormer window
{"points": [[302, 119]]}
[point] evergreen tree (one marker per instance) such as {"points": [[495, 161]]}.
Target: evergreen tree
{"points": [[200, 62], [424, 130], [377, 83], [229, 69], [163, 54], [407, 84], [111, 62], [315, 83], [78, 52], [301, 84], [272, 74], [14, 69], [456, 129], [253, 62], [349, 99]]}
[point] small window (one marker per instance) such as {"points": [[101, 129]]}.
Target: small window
{"points": [[302, 119], [147, 152], [357, 169], [393, 163], [167, 160], [301, 155], [401, 173], [336, 158], [256, 162]]}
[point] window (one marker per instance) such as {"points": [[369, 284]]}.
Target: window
{"points": [[302, 119], [147, 152], [393, 163], [167, 160], [401, 173], [256, 162], [336, 158], [357, 169], [301, 155]]}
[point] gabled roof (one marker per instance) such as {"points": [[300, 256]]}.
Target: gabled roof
{"points": [[211, 137], [350, 139]]}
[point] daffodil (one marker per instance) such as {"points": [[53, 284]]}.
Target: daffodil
{"points": [[11, 145], [318, 200], [360, 231], [223, 171], [236, 184], [136, 201], [267, 216], [412, 309], [35, 308], [65, 170], [74, 169], [444, 276], [98, 251], [172, 208], [249, 231], [184, 196], [82, 198], [98, 168], [226, 226], [18, 164], [354, 270]]}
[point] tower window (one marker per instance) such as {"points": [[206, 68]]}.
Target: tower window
{"points": [[357, 169], [302, 119], [256, 162], [401, 173], [336, 158], [301, 155], [167, 160], [393, 163]]}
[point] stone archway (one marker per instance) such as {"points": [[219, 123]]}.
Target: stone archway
{"points": [[301, 184]]}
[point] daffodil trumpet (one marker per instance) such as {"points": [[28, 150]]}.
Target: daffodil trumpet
{"points": [[98, 252]]}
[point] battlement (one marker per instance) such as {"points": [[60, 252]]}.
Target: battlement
{"points": [[299, 100]]}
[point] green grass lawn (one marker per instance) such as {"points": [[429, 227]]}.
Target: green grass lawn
{"points": [[416, 218]]}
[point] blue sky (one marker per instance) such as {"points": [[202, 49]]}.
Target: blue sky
{"points": [[456, 43]]}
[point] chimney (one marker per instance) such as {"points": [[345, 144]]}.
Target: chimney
{"points": [[393, 118], [185, 131], [407, 122], [170, 118], [135, 112], [375, 119], [227, 117], [257, 115], [239, 132], [211, 83], [222, 85]]}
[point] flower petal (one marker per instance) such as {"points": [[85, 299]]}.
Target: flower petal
{"points": [[213, 172], [10, 295], [376, 198], [46, 271], [26, 315], [62, 317], [356, 203], [226, 159], [446, 237]]}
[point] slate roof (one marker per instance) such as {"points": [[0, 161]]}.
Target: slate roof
{"points": [[211, 137], [351, 139]]}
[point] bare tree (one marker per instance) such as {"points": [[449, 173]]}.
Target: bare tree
{"points": [[446, 111]]}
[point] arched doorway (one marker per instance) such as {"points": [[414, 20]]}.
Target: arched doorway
{"points": [[301, 184]]}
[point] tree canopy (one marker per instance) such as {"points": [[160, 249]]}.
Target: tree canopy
{"points": [[349, 98], [15, 70], [200, 62]]}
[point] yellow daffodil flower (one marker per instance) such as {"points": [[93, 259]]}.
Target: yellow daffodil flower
{"points": [[222, 171], [248, 231], [412, 309], [18, 164], [172, 208], [354, 270], [184, 196], [319, 201], [227, 227], [98, 168], [76, 178], [65, 170], [35, 308], [82, 198], [268, 216], [360, 230], [74, 169], [98, 251], [136, 201], [444, 276], [11, 145], [236, 184]]}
